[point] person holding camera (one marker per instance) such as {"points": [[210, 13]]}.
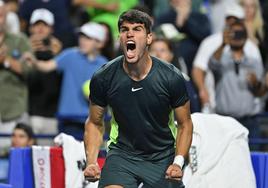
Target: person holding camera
{"points": [[44, 88], [235, 93]]}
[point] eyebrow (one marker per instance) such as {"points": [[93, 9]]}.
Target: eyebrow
{"points": [[135, 27]]}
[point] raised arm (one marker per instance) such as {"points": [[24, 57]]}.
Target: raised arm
{"points": [[93, 136], [198, 76], [46, 66]]}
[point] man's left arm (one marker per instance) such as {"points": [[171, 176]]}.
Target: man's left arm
{"points": [[183, 141]]}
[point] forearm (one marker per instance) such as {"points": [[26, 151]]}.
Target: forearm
{"points": [[45, 66], [198, 78], [93, 140], [184, 138], [218, 53], [14, 65]]}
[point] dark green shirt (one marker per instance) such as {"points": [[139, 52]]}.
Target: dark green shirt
{"points": [[143, 122]]}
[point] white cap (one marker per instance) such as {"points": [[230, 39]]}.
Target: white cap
{"points": [[93, 30], [235, 10], [43, 15]]}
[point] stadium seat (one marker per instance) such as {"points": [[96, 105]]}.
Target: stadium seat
{"points": [[5, 185], [260, 166], [20, 173]]}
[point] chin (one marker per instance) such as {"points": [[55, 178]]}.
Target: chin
{"points": [[131, 60]]}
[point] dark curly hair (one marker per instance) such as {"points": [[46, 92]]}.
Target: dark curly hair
{"points": [[136, 16]]}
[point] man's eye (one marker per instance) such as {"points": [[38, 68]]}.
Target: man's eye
{"points": [[137, 29], [123, 30]]}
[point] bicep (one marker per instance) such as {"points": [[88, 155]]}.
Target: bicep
{"points": [[96, 114], [182, 113]]}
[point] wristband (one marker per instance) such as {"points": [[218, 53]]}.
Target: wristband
{"points": [[179, 160], [6, 64]]}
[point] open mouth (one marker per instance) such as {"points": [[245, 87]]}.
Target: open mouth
{"points": [[131, 45]]}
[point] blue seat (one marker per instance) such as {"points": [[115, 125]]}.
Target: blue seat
{"points": [[5, 185], [20, 173], [3, 170], [260, 166]]}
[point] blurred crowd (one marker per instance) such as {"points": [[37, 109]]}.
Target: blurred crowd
{"points": [[49, 51]]}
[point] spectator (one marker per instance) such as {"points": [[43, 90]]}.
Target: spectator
{"points": [[201, 75], [162, 49], [254, 23], [108, 49], [235, 95], [194, 25], [63, 28], [13, 73], [44, 88], [22, 136], [253, 20], [77, 65]]}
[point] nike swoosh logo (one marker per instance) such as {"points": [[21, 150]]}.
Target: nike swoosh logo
{"points": [[136, 89]]}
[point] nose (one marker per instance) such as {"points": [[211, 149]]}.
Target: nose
{"points": [[129, 33]]}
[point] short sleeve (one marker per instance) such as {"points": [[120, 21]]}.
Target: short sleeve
{"points": [[98, 91], [177, 88], [62, 60]]}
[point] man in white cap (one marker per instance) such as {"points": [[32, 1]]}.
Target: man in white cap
{"points": [[201, 75], [41, 29], [44, 88], [77, 65]]}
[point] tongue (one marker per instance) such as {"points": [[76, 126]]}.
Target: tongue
{"points": [[130, 53]]}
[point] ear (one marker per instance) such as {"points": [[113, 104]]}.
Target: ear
{"points": [[149, 38]]}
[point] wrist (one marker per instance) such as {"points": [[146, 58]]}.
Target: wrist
{"points": [[6, 64], [179, 160]]}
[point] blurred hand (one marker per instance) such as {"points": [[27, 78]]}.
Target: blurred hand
{"points": [[183, 9], [112, 7], [92, 172], [252, 79], [204, 96], [174, 172], [37, 43], [29, 58], [55, 45], [226, 35], [3, 53]]}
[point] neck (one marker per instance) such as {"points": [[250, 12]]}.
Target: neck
{"points": [[91, 56], [139, 70], [237, 55]]}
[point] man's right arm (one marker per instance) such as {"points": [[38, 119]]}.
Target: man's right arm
{"points": [[94, 130], [46, 66], [43, 66]]}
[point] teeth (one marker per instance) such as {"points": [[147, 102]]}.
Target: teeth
{"points": [[130, 42], [131, 45]]}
